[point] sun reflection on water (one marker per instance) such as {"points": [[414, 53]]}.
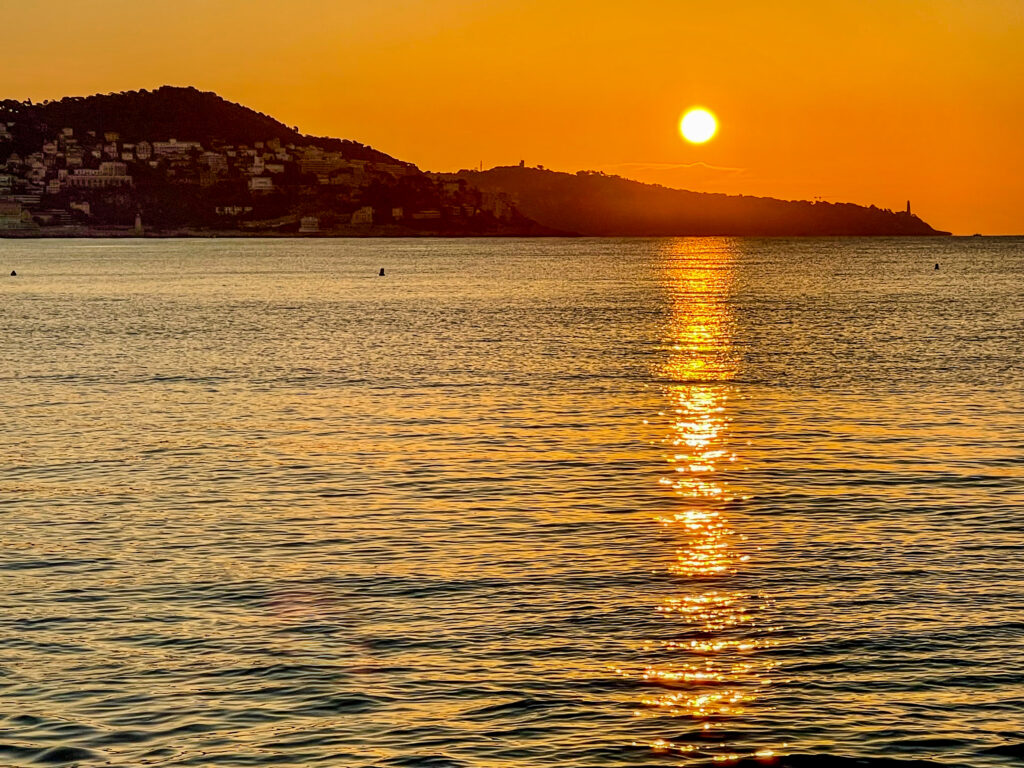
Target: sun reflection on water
{"points": [[709, 672]]}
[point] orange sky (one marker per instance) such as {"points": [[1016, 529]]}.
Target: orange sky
{"points": [[870, 101]]}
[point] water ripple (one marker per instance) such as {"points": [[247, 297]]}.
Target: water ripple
{"points": [[525, 503]]}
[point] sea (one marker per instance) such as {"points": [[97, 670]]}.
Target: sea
{"points": [[585, 503]]}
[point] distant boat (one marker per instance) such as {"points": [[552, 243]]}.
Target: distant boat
{"points": [[977, 234]]}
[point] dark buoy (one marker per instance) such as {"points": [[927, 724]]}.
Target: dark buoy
{"points": [[381, 273], [936, 266], [13, 273]]}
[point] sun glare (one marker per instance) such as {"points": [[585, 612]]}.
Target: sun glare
{"points": [[698, 125]]}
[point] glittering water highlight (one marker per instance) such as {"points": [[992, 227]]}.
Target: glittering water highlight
{"points": [[567, 502]]}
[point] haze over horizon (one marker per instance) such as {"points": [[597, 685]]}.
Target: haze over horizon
{"points": [[865, 102]]}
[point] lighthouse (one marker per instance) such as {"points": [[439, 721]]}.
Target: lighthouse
{"points": [[908, 208]]}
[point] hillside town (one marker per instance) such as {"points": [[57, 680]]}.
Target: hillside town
{"points": [[177, 161], [82, 182]]}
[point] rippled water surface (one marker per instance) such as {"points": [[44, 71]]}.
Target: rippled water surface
{"points": [[519, 503]]}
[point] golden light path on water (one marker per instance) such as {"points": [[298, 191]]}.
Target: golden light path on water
{"points": [[711, 675]]}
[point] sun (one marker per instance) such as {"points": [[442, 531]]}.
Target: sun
{"points": [[698, 125]]}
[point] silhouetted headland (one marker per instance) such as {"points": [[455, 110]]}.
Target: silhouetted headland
{"points": [[599, 205], [181, 162]]}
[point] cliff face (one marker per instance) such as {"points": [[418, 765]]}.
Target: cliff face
{"points": [[599, 205]]}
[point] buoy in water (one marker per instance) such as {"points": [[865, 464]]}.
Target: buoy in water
{"points": [[381, 273], [936, 266], [13, 273]]}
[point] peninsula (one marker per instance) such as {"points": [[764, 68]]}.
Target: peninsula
{"points": [[181, 162]]}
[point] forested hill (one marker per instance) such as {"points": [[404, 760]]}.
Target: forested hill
{"points": [[185, 114], [598, 205]]}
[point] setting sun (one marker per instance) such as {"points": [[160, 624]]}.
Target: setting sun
{"points": [[698, 126]]}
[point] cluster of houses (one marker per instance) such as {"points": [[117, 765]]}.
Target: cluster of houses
{"points": [[54, 185]]}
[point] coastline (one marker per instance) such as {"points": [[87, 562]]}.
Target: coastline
{"points": [[388, 232]]}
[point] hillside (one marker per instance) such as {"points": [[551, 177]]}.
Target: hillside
{"points": [[177, 161], [186, 114], [598, 205], [183, 161]]}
